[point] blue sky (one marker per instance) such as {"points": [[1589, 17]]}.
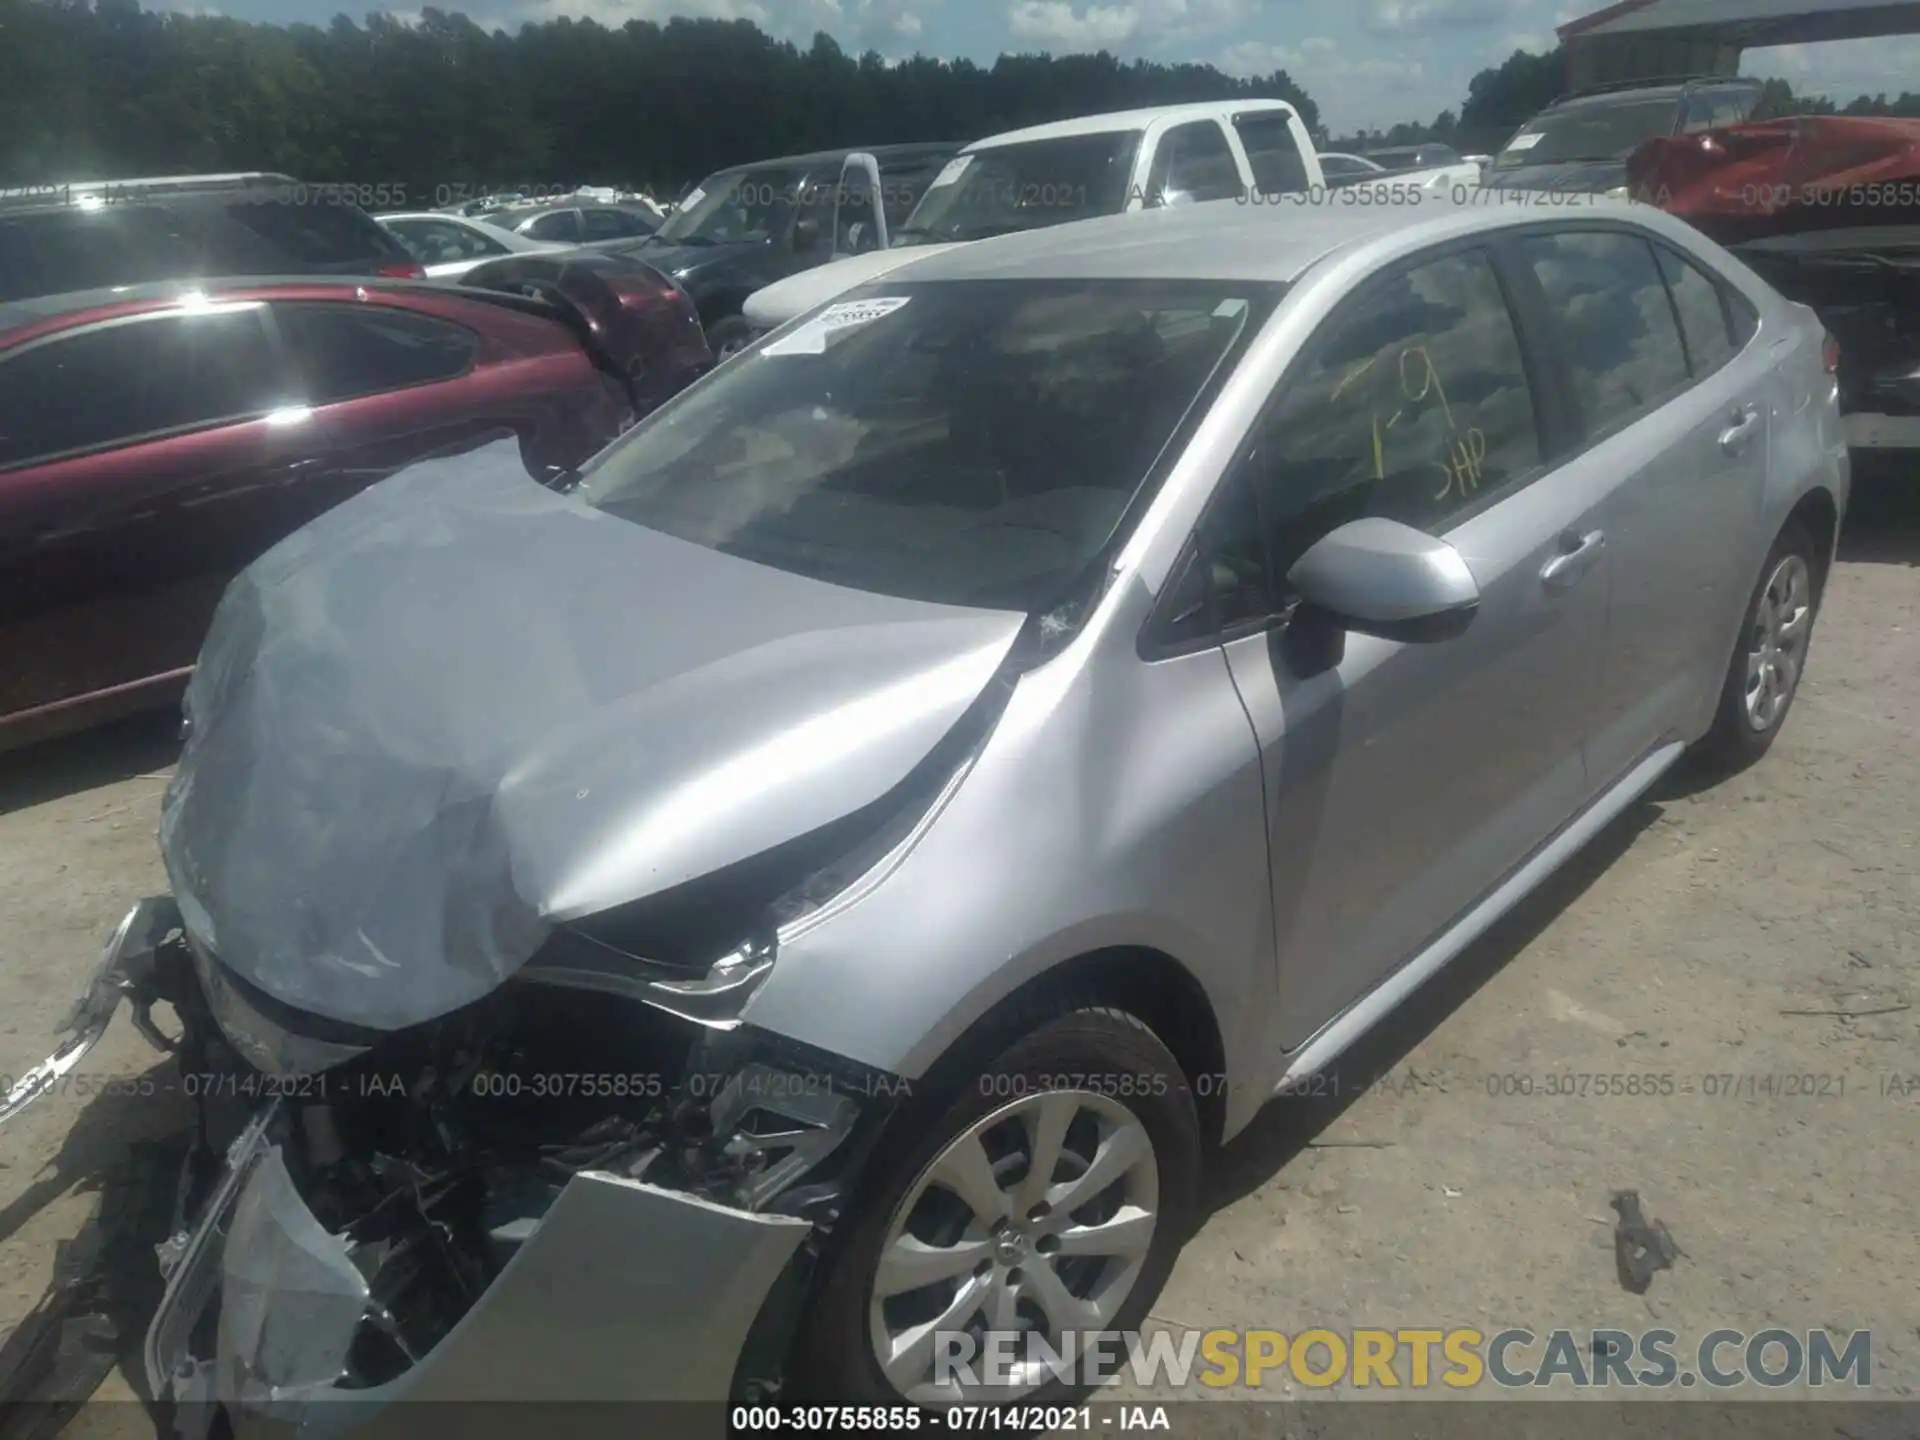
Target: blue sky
{"points": [[1367, 62]]}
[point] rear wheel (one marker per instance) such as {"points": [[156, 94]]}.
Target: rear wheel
{"points": [[1771, 655], [1050, 1198]]}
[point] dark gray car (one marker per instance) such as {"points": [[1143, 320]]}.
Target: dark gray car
{"points": [[741, 229], [1581, 142]]}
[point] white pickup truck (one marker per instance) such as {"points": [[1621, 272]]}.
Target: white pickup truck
{"points": [[1243, 151]]}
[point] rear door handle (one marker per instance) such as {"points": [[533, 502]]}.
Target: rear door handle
{"points": [[1734, 438], [1577, 556]]}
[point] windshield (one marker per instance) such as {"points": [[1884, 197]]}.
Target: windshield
{"points": [[1024, 187], [968, 443], [734, 207], [1609, 130]]}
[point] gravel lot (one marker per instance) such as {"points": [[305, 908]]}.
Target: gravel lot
{"points": [[1724, 931]]}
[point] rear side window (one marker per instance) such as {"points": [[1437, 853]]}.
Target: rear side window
{"points": [[560, 225], [612, 224], [1616, 326], [142, 377], [311, 232], [342, 352], [1274, 155], [1194, 164], [59, 251], [1413, 403], [1704, 324], [441, 242]]}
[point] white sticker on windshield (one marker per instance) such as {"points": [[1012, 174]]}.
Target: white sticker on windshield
{"points": [[694, 197], [1227, 309], [811, 338], [951, 171], [1525, 142]]}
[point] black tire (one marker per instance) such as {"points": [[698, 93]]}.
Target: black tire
{"points": [[834, 1359], [729, 331], [1735, 741]]}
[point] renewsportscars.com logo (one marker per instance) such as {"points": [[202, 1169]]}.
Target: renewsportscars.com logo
{"points": [[1413, 1359]]}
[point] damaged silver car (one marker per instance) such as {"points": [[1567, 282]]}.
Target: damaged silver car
{"points": [[816, 886]]}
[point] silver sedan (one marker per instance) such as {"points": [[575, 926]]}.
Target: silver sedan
{"points": [[790, 911]]}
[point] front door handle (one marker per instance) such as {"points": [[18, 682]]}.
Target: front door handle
{"points": [[1576, 557], [1734, 438]]}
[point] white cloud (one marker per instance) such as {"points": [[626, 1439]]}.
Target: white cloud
{"points": [[857, 24], [1534, 42], [1056, 22], [1428, 15], [1078, 25], [1842, 69], [1319, 64]]}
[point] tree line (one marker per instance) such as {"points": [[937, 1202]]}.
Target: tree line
{"points": [[107, 89], [93, 89]]}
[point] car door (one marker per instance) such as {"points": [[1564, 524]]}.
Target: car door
{"points": [[386, 388], [1404, 781], [136, 456], [1679, 441]]}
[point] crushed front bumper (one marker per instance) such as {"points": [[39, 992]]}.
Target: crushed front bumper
{"points": [[624, 1291]]}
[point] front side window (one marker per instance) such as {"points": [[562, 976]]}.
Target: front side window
{"points": [[1616, 325], [972, 442], [1412, 403], [143, 377], [1024, 187], [1194, 163], [344, 351]]}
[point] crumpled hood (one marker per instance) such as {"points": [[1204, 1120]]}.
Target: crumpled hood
{"points": [[460, 708], [1579, 177], [781, 301]]}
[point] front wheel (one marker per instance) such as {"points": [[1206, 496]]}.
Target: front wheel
{"points": [[728, 336], [1771, 656], [1049, 1200]]}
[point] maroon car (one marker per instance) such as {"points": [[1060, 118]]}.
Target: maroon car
{"points": [[154, 440]]}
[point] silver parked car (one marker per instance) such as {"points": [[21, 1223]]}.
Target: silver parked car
{"points": [[448, 246], [810, 894]]}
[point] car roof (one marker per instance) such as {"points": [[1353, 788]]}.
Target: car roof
{"points": [[1128, 120], [832, 157], [1272, 242], [1655, 90], [159, 294]]}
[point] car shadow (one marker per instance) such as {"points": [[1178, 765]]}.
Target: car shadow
{"points": [[1288, 1126], [1883, 513], [126, 1147], [137, 745]]}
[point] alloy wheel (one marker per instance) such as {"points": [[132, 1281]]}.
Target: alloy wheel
{"points": [[1037, 1220], [1777, 642]]}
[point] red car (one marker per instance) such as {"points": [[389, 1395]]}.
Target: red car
{"points": [[156, 439]]}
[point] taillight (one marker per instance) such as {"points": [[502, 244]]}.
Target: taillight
{"points": [[1830, 354], [407, 270]]}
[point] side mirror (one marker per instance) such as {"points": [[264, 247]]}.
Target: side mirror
{"points": [[1379, 577], [806, 235]]}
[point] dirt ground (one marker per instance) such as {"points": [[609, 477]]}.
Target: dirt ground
{"points": [[1768, 926]]}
